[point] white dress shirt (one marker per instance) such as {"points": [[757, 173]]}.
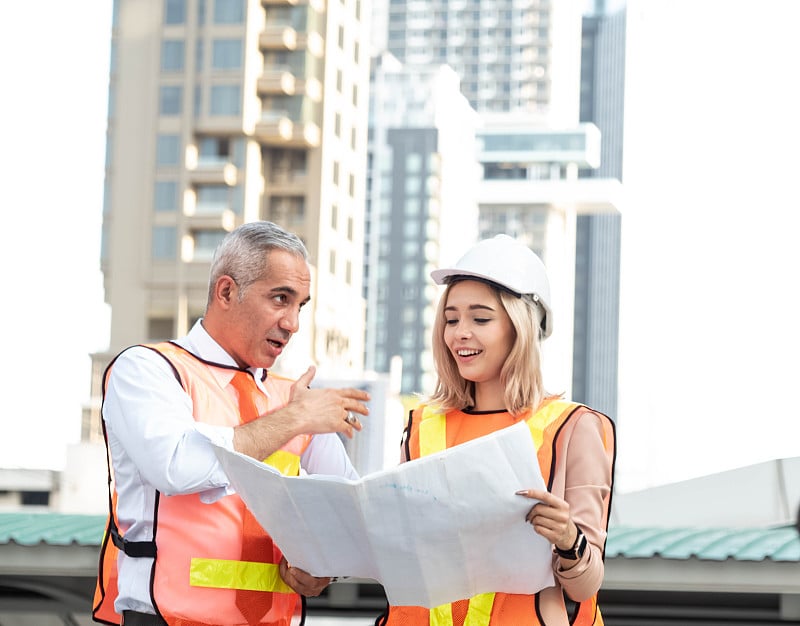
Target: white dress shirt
{"points": [[156, 444]]}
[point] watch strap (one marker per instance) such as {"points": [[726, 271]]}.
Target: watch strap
{"points": [[578, 548]]}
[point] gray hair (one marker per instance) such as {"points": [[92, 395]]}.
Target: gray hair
{"points": [[241, 253]]}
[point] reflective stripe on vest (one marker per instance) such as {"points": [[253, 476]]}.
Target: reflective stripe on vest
{"points": [[221, 574], [432, 439], [228, 574]]}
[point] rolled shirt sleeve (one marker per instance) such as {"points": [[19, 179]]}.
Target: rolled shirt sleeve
{"points": [[153, 434], [588, 489]]}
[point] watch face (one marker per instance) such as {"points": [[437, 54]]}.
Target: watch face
{"points": [[581, 547], [577, 550]]}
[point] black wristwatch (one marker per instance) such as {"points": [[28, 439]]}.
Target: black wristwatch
{"points": [[578, 548]]}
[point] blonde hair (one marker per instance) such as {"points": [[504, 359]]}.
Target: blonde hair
{"points": [[521, 374]]}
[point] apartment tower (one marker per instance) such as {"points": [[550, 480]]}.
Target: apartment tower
{"points": [[223, 112], [505, 51]]}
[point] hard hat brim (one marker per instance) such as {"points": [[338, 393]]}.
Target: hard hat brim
{"points": [[445, 276]]}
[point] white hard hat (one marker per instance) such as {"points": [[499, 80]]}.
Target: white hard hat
{"points": [[506, 262]]}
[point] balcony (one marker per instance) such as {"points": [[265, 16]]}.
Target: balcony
{"points": [[277, 82], [313, 42], [282, 131], [527, 144], [287, 182], [203, 218], [213, 172], [283, 82], [278, 37], [311, 88]]}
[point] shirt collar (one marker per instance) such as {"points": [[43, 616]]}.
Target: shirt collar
{"points": [[201, 344]]}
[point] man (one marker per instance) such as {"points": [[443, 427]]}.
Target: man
{"points": [[175, 551]]}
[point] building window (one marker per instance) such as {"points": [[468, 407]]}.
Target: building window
{"points": [[286, 210], [172, 55], [225, 100], [165, 243], [166, 196], [160, 328], [228, 11], [205, 242], [199, 55], [213, 198], [213, 150], [168, 150], [34, 498], [334, 216], [169, 100], [332, 262], [226, 54], [198, 100], [175, 12]]}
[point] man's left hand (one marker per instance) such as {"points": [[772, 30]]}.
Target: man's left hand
{"points": [[302, 582]]}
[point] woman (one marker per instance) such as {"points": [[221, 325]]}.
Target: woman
{"points": [[489, 325]]}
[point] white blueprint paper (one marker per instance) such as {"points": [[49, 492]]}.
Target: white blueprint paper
{"points": [[430, 531]]}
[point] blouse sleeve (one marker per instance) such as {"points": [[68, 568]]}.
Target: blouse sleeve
{"points": [[589, 458]]}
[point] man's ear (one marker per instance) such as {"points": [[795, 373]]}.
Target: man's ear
{"points": [[225, 291]]}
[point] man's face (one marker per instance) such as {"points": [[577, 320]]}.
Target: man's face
{"points": [[260, 325]]}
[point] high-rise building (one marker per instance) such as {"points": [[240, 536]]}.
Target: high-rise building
{"points": [[421, 195], [223, 112], [520, 68], [506, 52], [598, 237], [531, 191]]}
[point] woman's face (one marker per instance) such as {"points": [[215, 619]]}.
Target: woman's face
{"points": [[477, 331]]}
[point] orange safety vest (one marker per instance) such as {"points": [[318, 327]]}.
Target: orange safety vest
{"points": [[196, 547], [427, 434]]}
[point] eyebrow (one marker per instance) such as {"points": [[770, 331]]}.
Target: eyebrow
{"points": [[289, 291], [472, 307]]}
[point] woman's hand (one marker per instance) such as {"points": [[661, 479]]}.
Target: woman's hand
{"points": [[550, 518], [302, 582]]}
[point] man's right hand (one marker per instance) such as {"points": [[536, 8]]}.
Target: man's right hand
{"points": [[328, 408], [309, 411]]}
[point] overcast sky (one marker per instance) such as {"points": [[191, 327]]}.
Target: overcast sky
{"points": [[708, 361]]}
